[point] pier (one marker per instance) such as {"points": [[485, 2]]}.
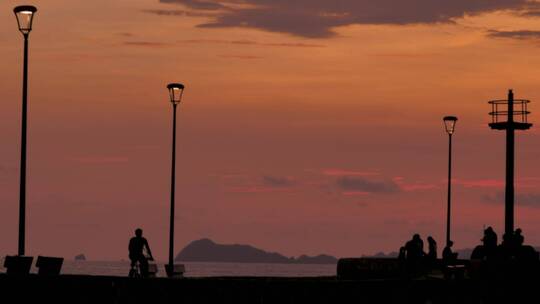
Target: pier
{"points": [[105, 289]]}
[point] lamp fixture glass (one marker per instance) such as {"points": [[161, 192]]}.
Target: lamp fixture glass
{"points": [[176, 90], [25, 16], [450, 124]]}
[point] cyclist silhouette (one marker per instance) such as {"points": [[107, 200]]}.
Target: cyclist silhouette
{"points": [[137, 244]]}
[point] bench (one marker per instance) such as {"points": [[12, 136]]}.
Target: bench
{"points": [[368, 268], [49, 265], [18, 265], [177, 270], [152, 270], [454, 271]]}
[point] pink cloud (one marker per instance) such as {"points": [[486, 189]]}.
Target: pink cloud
{"points": [[527, 182], [415, 186], [418, 187]]}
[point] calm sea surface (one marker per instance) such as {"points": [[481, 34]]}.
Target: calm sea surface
{"points": [[200, 269]]}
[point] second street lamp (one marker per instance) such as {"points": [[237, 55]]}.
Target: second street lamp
{"points": [[25, 17], [450, 125], [176, 90]]}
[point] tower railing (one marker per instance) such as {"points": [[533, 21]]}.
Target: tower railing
{"points": [[500, 118]]}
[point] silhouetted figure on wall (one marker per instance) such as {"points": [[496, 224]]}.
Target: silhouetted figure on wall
{"points": [[518, 238], [490, 238], [415, 248], [136, 247], [414, 255], [448, 256], [420, 244], [507, 249], [512, 245], [489, 249], [402, 253], [509, 259], [508, 240], [526, 255], [432, 249]]}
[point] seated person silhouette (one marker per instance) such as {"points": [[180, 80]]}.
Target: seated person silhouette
{"points": [[490, 238], [448, 256], [402, 253], [518, 238], [488, 250], [432, 249], [137, 245]]}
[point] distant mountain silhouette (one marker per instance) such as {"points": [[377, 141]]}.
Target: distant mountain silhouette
{"points": [[381, 254], [205, 250]]}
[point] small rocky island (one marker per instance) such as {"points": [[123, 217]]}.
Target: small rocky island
{"points": [[205, 250], [80, 257]]}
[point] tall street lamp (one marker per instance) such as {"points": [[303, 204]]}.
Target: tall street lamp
{"points": [[25, 16], [450, 125], [176, 91]]}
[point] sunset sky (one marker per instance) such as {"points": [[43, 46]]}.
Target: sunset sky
{"points": [[307, 126]]}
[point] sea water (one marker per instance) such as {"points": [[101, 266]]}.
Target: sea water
{"points": [[200, 269]]}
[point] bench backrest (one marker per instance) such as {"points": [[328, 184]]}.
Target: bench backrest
{"points": [[152, 269], [49, 265], [18, 265], [177, 270]]}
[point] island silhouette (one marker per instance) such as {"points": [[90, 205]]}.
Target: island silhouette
{"points": [[206, 250]]}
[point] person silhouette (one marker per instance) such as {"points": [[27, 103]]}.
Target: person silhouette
{"points": [[402, 253], [432, 248], [448, 256], [415, 248], [518, 238], [137, 245], [490, 238]]}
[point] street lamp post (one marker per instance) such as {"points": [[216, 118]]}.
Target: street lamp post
{"points": [[25, 16], [450, 125], [176, 91]]}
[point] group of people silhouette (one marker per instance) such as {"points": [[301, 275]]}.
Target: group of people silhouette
{"points": [[511, 248], [413, 251], [511, 251]]}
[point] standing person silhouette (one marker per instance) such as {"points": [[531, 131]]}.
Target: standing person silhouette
{"points": [[432, 249], [136, 247]]}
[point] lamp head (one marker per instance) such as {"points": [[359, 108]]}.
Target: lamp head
{"points": [[176, 90], [25, 16], [450, 124]]}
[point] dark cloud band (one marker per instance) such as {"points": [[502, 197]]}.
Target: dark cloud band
{"points": [[348, 183], [317, 18]]}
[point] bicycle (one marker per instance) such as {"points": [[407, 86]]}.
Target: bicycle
{"points": [[135, 269]]}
